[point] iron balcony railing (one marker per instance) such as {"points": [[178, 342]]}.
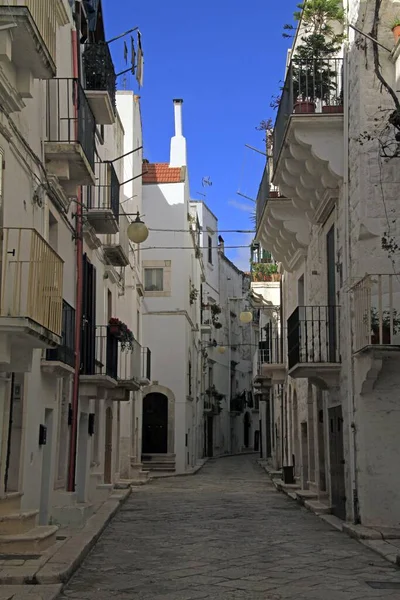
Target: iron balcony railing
{"points": [[314, 85], [313, 335], [65, 353], [31, 278], [270, 347], [99, 69], [130, 363], [262, 195], [104, 359], [69, 117], [377, 321], [45, 14], [105, 194], [146, 363]]}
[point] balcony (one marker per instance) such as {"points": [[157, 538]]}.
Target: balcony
{"points": [[70, 134], [30, 295], [130, 368], [313, 344], [206, 319], [375, 300], [270, 359], [61, 360], [103, 200], [116, 246], [307, 156], [100, 351], [28, 46], [100, 82]]}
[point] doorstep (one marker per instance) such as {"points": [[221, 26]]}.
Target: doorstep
{"points": [[384, 541], [56, 565]]}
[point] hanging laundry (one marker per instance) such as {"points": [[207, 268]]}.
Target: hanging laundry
{"points": [[125, 52], [133, 56], [140, 62]]}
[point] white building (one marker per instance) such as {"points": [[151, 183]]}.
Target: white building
{"points": [[335, 231], [66, 262], [172, 267]]}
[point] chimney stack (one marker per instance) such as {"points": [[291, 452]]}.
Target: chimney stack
{"points": [[221, 245], [178, 142]]}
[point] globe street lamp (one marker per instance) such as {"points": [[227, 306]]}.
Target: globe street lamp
{"points": [[137, 231]]}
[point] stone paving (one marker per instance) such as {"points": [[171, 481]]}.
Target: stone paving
{"points": [[226, 534]]}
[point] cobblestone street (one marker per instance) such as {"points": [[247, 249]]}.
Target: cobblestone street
{"points": [[226, 534]]}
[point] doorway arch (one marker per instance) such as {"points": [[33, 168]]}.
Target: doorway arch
{"points": [[246, 430], [164, 391], [155, 424]]}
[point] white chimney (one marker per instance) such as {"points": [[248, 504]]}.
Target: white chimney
{"points": [[178, 142]]}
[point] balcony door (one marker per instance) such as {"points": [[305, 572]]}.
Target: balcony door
{"points": [[88, 345], [331, 294]]}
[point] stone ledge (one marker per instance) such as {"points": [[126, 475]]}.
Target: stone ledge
{"points": [[359, 532], [61, 560]]}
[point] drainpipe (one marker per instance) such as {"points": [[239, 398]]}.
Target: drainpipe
{"points": [[347, 278], [79, 297]]}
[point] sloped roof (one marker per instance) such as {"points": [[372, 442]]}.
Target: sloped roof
{"points": [[154, 173]]}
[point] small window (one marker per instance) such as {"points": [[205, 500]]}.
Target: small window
{"points": [[210, 250], [190, 378], [154, 280]]}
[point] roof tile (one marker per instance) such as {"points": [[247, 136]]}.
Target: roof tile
{"points": [[154, 173]]}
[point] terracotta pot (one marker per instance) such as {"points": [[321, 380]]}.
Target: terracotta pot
{"points": [[275, 276], [332, 109], [304, 107], [396, 33], [273, 194]]}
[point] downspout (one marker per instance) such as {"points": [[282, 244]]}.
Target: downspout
{"points": [[79, 298], [348, 274]]}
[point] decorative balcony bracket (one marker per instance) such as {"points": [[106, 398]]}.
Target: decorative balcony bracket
{"points": [[284, 230], [323, 375], [369, 364], [276, 372], [311, 161]]}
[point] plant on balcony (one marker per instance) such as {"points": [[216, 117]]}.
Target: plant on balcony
{"points": [[386, 333], [212, 392], [215, 311], [264, 272], [314, 68], [122, 332], [193, 294], [395, 27]]}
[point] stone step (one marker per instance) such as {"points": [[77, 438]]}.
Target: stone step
{"points": [[34, 541], [303, 495], [10, 503], [317, 507], [18, 522], [158, 457], [158, 467]]}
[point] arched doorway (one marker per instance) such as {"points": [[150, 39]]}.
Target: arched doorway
{"points": [[246, 430], [108, 447], [155, 424]]}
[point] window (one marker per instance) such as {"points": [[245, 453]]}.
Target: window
{"points": [[210, 250], [153, 280], [190, 378], [53, 231]]}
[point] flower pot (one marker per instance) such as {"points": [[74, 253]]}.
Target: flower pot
{"points": [[273, 194], [275, 276], [304, 107], [396, 33], [115, 331], [336, 108]]}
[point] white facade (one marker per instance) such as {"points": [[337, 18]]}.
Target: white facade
{"points": [[339, 406], [55, 138], [172, 280]]}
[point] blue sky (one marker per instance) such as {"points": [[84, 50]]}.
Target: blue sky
{"points": [[225, 59]]}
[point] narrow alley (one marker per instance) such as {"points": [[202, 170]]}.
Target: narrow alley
{"points": [[226, 534]]}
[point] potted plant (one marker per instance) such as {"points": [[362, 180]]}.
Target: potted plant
{"points": [[265, 271], [122, 332], [314, 73], [395, 27], [193, 294], [215, 311], [375, 326]]}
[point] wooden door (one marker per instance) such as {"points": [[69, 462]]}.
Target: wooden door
{"points": [[155, 424], [108, 447], [210, 437], [338, 490]]}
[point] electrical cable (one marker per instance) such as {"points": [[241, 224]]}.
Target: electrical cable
{"points": [[205, 248]]}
